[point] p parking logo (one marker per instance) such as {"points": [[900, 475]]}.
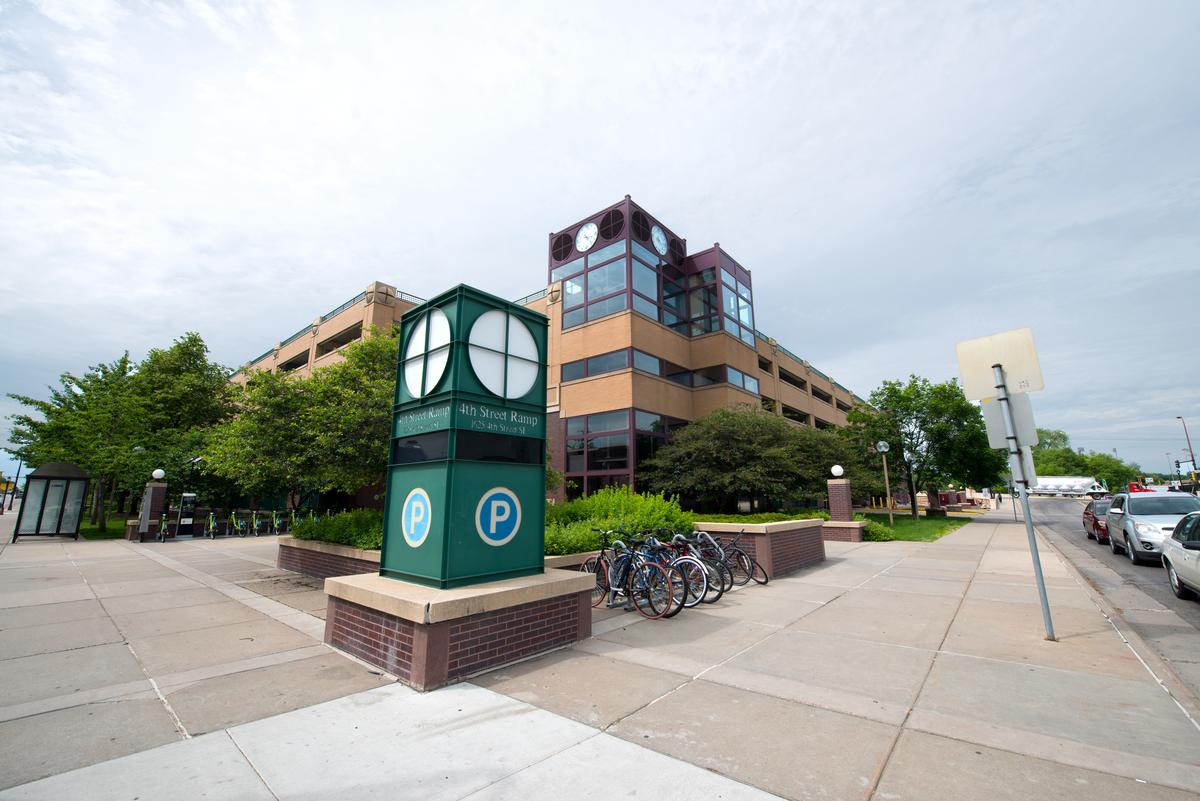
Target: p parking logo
{"points": [[416, 517], [498, 516]]}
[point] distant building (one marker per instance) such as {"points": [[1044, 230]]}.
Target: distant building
{"points": [[644, 337]]}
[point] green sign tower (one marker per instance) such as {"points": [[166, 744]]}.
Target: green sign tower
{"points": [[466, 498]]}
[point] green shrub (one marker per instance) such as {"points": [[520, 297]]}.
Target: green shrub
{"points": [[876, 531], [358, 528]]}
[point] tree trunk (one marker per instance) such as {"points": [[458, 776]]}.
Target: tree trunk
{"points": [[96, 495], [912, 495], [101, 523]]}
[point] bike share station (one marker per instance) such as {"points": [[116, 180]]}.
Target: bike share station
{"points": [[462, 585]]}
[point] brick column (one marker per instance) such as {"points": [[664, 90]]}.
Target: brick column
{"points": [[839, 499]]}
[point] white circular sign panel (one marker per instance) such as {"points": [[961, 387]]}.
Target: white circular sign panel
{"points": [[427, 354], [495, 355], [498, 516], [416, 517]]}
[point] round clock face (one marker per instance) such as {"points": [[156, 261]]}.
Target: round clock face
{"points": [[659, 238], [586, 237]]}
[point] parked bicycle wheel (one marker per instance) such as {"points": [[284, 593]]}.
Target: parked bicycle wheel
{"points": [[679, 589], [696, 577], [741, 566], [598, 567], [716, 574], [649, 590], [759, 575]]}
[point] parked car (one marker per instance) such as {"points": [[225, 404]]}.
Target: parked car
{"points": [[1093, 520], [1181, 557], [1138, 522]]}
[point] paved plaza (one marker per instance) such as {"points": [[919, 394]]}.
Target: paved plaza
{"points": [[892, 671]]}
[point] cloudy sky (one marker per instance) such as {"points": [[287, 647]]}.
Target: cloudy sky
{"points": [[896, 176]]}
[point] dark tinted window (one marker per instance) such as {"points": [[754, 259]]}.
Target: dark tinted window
{"points": [[421, 448], [480, 446], [1102, 507], [607, 362], [572, 370]]}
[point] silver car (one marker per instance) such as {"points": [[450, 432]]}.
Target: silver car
{"points": [[1181, 557], [1139, 521]]}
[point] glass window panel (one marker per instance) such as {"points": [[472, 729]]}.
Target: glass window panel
{"points": [[744, 291], [729, 302], [702, 302], [678, 374], [745, 313], [35, 490], [670, 318], [575, 425], [604, 307], [647, 421], [570, 268], [607, 362], [751, 384], [573, 292], [644, 254], [70, 521], [732, 327], [606, 280], [575, 459], [604, 254], [748, 336], [712, 324], [645, 280], [647, 446], [644, 361], [608, 453], [572, 371], [672, 273], [682, 327], [727, 278], [645, 307], [735, 376], [573, 318], [608, 421], [674, 299], [595, 483], [55, 493]]}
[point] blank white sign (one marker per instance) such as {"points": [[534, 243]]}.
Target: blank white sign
{"points": [[1012, 349], [993, 418]]}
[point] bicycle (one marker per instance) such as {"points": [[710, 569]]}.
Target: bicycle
{"points": [[692, 572], [210, 528], [621, 572], [741, 564], [719, 578]]}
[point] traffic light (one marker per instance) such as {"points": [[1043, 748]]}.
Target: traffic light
{"points": [[1176, 467]]}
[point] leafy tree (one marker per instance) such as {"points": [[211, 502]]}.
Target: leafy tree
{"points": [[266, 447], [119, 421], [745, 453], [349, 416], [730, 454], [1051, 438], [937, 435]]}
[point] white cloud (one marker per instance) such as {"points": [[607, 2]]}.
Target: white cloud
{"points": [[897, 176]]}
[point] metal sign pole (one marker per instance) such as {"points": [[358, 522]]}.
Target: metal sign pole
{"points": [[1022, 486], [888, 488]]}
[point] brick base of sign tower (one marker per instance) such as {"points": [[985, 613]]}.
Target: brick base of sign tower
{"points": [[429, 637]]}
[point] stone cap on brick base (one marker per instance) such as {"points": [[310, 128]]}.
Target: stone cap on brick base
{"points": [[347, 551], [845, 523], [422, 604], [757, 528]]}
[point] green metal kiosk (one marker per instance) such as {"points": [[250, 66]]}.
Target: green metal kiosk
{"points": [[466, 477]]}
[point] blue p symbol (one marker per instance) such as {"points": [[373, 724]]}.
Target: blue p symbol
{"points": [[498, 516], [416, 517]]}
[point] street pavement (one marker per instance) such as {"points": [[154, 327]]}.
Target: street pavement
{"points": [[892, 671], [1141, 598]]}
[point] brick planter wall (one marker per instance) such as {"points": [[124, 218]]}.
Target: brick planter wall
{"points": [[839, 531], [451, 645], [780, 548], [324, 559]]}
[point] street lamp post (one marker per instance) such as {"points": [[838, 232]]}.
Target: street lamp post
{"points": [[1191, 452], [14, 489], [883, 448]]}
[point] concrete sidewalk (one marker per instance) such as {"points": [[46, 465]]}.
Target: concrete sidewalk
{"points": [[893, 671]]}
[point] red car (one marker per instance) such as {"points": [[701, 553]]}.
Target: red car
{"points": [[1094, 523]]}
